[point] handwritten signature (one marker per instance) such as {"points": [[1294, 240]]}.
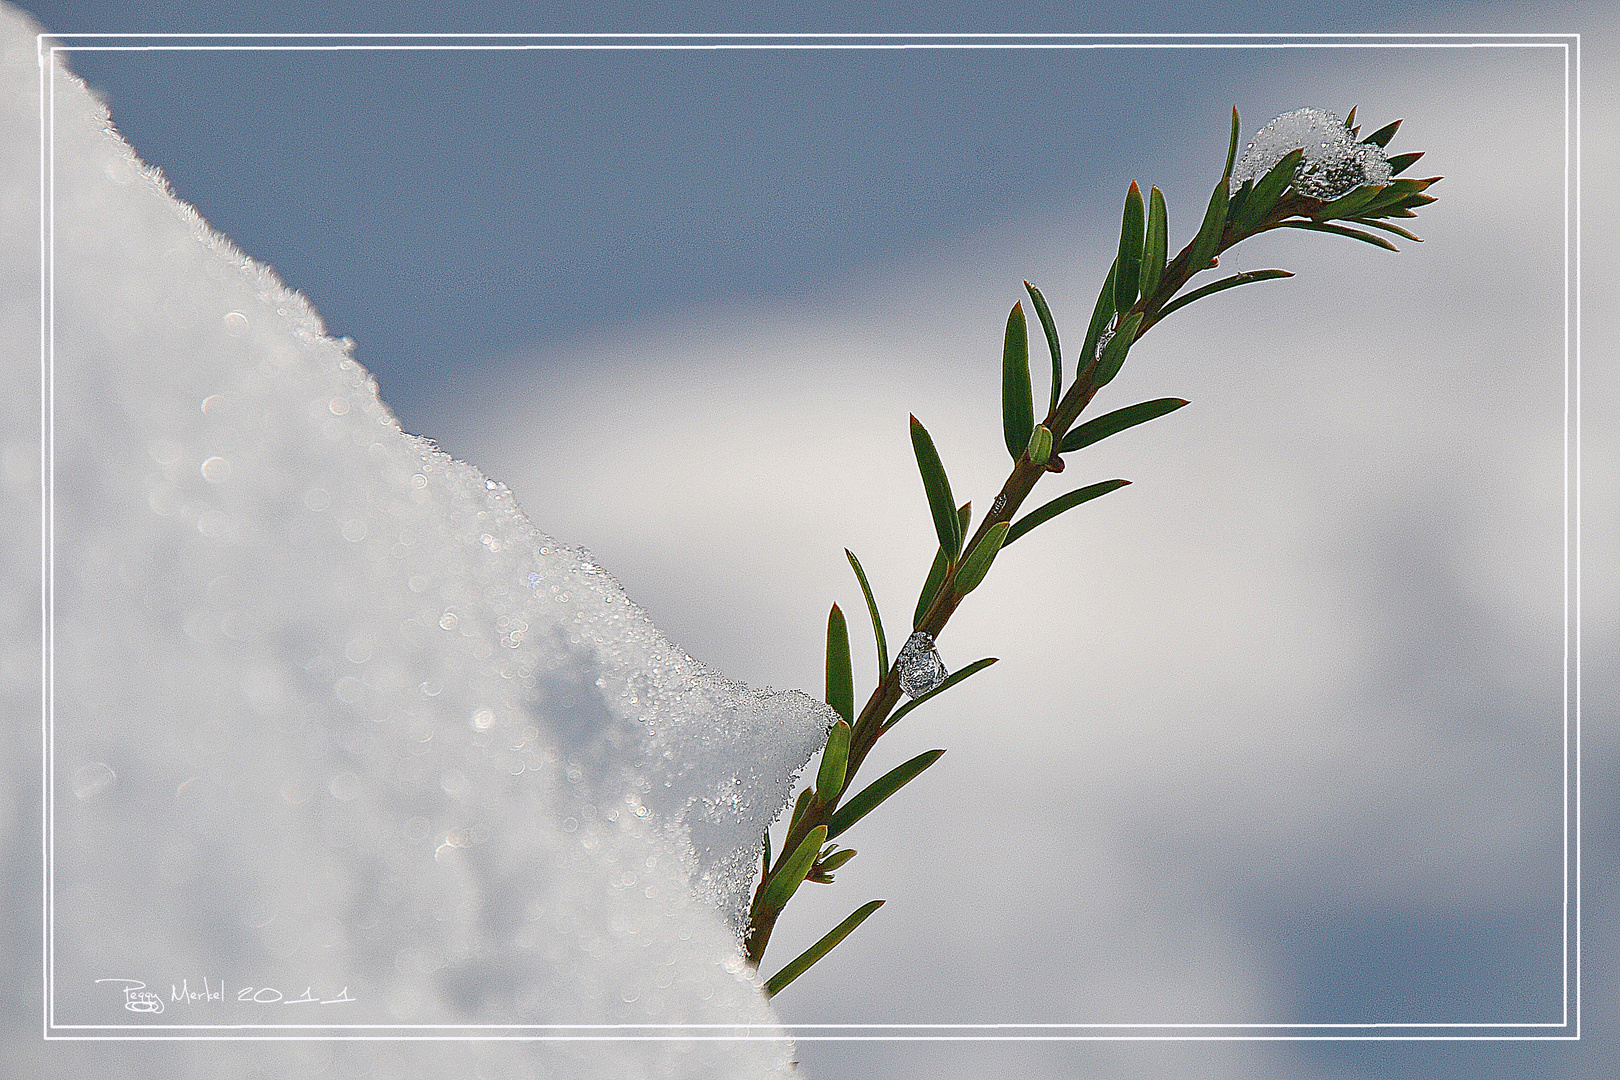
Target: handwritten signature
{"points": [[137, 998]]}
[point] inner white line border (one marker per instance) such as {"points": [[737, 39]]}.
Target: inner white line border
{"points": [[1569, 1029]]}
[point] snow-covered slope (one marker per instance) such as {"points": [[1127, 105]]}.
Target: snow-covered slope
{"points": [[332, 719]]}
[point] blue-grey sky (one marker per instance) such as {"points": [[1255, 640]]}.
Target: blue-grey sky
{"points": [[447, 212], [452, 209], [493, 224]]}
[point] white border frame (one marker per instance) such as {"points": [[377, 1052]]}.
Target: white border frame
{"points": [[1568, 1029]]}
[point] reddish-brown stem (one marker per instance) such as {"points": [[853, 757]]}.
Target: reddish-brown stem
{"points": [[868, 727]]}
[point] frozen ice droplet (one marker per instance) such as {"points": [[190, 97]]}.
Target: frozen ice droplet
{"points": [[1333, 163], [1102, 341], [921, 669]]}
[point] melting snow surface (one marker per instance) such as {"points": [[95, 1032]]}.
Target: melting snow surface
{"points": [[331, 715], [1333, 164]]}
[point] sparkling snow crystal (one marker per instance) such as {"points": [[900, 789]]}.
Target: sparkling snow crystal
{"points": [[921, 669], [330, 712], [1334, 163]]}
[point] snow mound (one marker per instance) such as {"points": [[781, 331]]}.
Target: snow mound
{"points": [[331, 717], [1333, 164]]}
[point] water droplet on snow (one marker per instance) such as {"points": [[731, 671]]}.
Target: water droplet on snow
{"points": [[258, 913], [338, 406], [164, 499], [216, 470], [92, 780], [345, 787], [213, 524], [236, 324], [921, 669], [165, 451]]}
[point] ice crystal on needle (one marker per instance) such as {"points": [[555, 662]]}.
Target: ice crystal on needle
{"points": [[1333, 163], [921, 669], [1102, 341]]}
